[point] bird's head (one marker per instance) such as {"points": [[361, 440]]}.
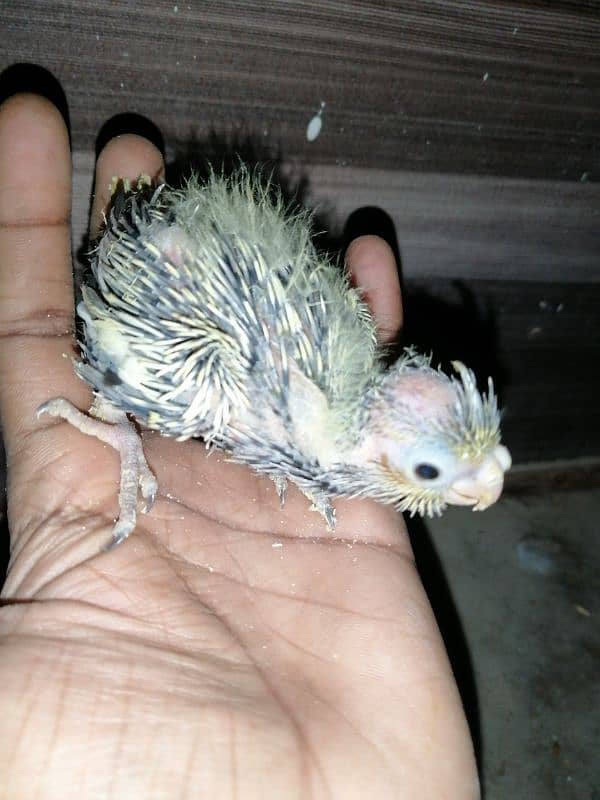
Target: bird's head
{"points": [[433, 440]]}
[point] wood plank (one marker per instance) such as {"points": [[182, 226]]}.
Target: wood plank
{"points": [[450, 225], [487, 87], [443, 225], [553, 476]]}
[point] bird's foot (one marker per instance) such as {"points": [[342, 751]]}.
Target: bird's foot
{"points": [[112, 426]]}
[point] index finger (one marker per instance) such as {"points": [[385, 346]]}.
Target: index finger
{"points": [[372, 266], [36, 291]]}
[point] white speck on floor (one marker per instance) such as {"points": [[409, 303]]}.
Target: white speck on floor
{"points": [[313, 129], [538, 555]]}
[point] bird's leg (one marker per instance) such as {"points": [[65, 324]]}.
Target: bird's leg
{"points": [[320, 502], [127, 441], [111, 425]]}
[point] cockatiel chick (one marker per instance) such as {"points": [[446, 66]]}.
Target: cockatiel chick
{"points": [[212, 315]]}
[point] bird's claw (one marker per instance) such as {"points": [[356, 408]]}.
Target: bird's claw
{"points": [[148, 488], [120, 532]]}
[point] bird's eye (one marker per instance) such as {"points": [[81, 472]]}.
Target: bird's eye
{"points": [[427, 471]]}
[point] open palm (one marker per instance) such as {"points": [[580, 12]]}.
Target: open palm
{"points": [[230, 647]]}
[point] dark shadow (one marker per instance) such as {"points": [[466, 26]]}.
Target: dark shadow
{"points": [[32, 78], [129, 123], [440, 596], [223, 154], [372, 221], [452, 321]]}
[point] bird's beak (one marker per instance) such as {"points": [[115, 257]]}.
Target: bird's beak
{"points": [[483, 488]]}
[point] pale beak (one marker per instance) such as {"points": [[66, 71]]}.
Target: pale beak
{"points": [[483, 488]]}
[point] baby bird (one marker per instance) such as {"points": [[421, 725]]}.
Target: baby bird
{"points": [[211, 314]]}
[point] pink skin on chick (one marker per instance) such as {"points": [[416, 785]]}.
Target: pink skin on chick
{"points": [[425, 402]]}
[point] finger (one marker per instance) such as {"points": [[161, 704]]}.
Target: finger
{"points": [[36, 294], [127, 156], [372, 266]]}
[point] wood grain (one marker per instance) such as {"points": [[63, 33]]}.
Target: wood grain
{"points": [[487, 87], [444, 225]]}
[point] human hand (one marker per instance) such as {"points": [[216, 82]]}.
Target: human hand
{"points": [[230, 647]]}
